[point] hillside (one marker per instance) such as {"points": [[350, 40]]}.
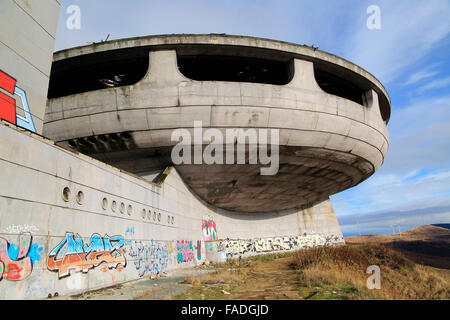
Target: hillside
{"points": [[427, 245], [321, 273]]}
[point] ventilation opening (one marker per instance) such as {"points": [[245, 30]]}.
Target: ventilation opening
{"points": [[89, 75], [236, 69], [337, 86]]}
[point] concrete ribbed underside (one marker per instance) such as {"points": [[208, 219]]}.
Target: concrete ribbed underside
{"points": [[305, 175]]}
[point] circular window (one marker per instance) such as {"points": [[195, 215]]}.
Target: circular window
{"points": [[159, 216], [80, 197], [104, 203], [143, 213], [129, 209], [114, 206], [66, 194], [122, 207]]}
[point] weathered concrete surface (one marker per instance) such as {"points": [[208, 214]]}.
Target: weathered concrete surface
{"points": [[70, 224], [165, 286], [327, 143], [241, 44], [27, 37]]}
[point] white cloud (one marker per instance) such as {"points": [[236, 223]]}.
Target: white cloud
{"points": [[418, 76], [409, 30]]}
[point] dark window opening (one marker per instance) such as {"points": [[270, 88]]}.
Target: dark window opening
{"points": [[77, 76], [236, 69], [337, 86]]}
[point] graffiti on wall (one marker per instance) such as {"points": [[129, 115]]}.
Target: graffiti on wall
{"points": [[74, 254], [234, 248], [198, 247], [185, 250], [149, 257], [21, 228], [15, 98], [215, 251], [16, 262], [209, 229], [129, 232]]}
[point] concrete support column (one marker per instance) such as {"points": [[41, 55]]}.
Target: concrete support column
{"points": [[163, 68], [372, 105], [304, 76]]}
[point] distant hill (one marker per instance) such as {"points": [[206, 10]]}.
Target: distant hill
{"points": [[443, 225], [427, 245]]}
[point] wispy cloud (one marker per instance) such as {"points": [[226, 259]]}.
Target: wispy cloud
{"points": [[435, 84], [409, 30], [418, 76]]}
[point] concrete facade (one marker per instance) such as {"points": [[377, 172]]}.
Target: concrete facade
{"points": [[71, 222], [27, 37], [109, 226]]}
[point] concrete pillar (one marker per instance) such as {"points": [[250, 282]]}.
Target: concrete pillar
{"points": [[304, 76], [163, 68]]}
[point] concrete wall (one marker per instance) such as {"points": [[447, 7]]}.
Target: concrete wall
{"points": [[52, 240], [28, 29]]}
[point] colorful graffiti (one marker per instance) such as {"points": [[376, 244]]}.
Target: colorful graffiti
{"points": [[16, 262], [215, 251], [149, 258], [73, 254], [185, 251], [129, 232], [234, 248], [209, 229], [8, 103], [199, 249]]}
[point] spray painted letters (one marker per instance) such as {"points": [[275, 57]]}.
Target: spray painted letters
{"points": [[234, 248], [185, 251], [73, 254], [209, 229], [16, 263], [149, 257]]}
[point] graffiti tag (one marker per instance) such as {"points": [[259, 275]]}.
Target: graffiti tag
{"points": [[151, 257], [209, 229], [16, 262], [73, 254]]}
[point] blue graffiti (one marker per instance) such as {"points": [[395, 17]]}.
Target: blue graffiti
{"points": [[151, 258]]}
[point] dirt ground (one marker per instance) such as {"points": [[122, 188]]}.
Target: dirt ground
{"points": [[265, 277]]}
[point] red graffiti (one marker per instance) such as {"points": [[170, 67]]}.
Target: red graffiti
{"points": [[7, 104]]}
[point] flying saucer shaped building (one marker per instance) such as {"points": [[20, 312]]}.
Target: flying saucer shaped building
{"points": [[120, 101]]}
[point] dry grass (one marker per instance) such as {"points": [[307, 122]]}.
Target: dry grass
{"points": [[222, 276], [322, 273], [343, 269]]}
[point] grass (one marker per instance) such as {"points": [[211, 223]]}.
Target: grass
{"points": [[321, 273], [339, 273]]}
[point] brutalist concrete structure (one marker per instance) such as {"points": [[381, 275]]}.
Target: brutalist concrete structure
{"points": [[96, 200], [331, 114]]}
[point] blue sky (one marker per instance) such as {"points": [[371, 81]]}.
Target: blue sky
{"points": [[409, 54]]}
